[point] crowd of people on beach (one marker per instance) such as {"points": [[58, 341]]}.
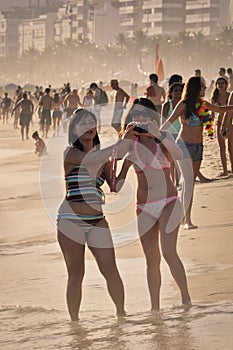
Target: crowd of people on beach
{"points": [[159, 134]]}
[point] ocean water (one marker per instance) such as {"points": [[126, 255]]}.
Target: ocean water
{"points": [[33, 312]]}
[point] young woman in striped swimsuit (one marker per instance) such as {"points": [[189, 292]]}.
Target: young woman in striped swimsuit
{"points": [[80, 217]]}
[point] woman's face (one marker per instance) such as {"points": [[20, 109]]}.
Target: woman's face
{"points": [[140, 113], [203, 89], [221, 84], [85, 128], [176, 93]]}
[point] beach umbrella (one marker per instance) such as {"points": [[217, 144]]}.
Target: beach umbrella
{"points": [[10, 88], [29, 87]]}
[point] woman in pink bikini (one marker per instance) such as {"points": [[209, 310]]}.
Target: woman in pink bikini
{"points": [[159, 210]]}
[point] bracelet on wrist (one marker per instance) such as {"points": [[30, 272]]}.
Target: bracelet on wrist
{"points": [[163, 135]]}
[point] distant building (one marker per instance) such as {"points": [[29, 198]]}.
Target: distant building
{"points": [[172, 16], [44, 22], [22, 27], [96, 20], [203, 16], [37, 33]]}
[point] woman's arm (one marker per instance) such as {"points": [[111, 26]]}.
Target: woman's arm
{"points": [[227, 119], [170, 145], [177, 112], [74, 156], [219, 109], [166, 139], [164, 112], [121, 176]]}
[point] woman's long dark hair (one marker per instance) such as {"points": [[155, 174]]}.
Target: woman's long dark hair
{"points": [[172, 87], [215, 93], [191, 95], [78, 115], [145, 102], [56, 98]]}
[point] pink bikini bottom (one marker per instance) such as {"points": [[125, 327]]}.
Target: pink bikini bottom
{"points": [[154, 208]]}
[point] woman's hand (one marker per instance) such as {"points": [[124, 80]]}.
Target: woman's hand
{"points": [[224, 132], [153, 128], [130, 133]]}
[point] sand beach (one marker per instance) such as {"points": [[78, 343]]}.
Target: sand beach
{"points": [[33, 310]]}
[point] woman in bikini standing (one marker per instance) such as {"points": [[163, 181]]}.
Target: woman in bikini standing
{"points": [[190, 139], [220, 97], [174, 96], [159, 210], [80, 216], [227, 130]]}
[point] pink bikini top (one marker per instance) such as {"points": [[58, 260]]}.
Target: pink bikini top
{"points": [[158, 161]]}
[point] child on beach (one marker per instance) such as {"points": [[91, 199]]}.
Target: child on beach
{"points": [[40, 146]]}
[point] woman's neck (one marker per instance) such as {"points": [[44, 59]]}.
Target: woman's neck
{"points": [[87, 145]]}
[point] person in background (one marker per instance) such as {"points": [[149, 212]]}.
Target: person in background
{"points": [[72, 102], [45, 103], [120, 103], [155, 93], [26, 111], [57, 107], [210, 89], [40, 146], [220, 97], [6, 108], [97, 103], [174, 96], [193, 111], [88, 100], [177, 78], [222, 73], [230, 79], [18, 97], [227, 130]]}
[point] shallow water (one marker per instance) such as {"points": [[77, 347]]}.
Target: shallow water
{"points": [[201, 327], [33, 313]]}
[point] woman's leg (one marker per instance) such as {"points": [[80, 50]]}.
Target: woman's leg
{"points": [[100, 243], [74, 257], [149, 233], [168, 241], [54, 123], [189, 171], [22, 132], [230, 146], [222, 149], [188, 222]]}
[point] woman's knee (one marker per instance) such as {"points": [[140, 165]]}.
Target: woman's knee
{"points": [[75, 274], [169, 255]]}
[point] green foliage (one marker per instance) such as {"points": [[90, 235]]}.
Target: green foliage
{"points": [[84, 60]]}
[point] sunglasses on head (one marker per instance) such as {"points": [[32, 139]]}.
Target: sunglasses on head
{"points": [[144, 113]]}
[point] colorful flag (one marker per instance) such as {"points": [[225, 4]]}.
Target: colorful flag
{"points": [[159, 64]]}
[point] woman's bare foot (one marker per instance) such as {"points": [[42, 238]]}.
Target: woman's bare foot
{"points": [[121, 314], [190, 226], [225, 173], [187, 304]]}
